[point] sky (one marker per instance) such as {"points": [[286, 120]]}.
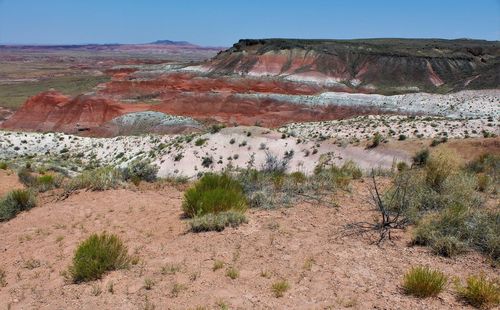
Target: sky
{"points": [[223, 22]]}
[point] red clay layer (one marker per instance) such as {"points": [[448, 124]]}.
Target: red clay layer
{"points": [[52, 111]]}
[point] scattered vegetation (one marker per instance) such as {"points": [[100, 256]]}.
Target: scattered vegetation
{"points": [[97, 255], [424, 282]]}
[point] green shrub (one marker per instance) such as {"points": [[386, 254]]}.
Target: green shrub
{"points": [[455, 229], [485, 233], [16, 201], [480, 291], [3, 165], [423, 282], [99, 179], [140, 171], [217, 222], [46, 182], [200, 141], [214, 194], [97, 255], [402, 165], [402, 137]]}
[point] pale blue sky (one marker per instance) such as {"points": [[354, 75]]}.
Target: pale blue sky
{"points": [[223, 22]]}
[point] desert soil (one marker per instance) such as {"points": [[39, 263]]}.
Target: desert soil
{"points": [[307, 245]]}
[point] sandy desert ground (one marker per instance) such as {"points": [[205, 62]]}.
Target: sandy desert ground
{"points": [[306, 245]]}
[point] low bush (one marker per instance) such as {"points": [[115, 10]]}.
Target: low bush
{"points": [[47, 182], [200, 141], [3, 165], [487, 168], [15, 202], [275, 165], [424, 282], [377, 138], [97, 255], [26, 177], [421, 157], [140, 170], [480, 291], [455, 229], [217, 222], [214, 193], [439, 167], [99, 179]]}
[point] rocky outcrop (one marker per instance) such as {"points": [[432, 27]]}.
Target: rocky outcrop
{"points": [[385, 66]]}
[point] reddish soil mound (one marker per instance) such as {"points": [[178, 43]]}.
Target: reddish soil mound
{"points": [[54, 111]]}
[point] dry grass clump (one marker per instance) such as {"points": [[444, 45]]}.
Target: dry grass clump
{"points": [[3, 278], [15, 202], [99, 179], [280, 287], [424, 282], [439, 167], [97, 255], [217, 221], [232, 273], [480, 291]]}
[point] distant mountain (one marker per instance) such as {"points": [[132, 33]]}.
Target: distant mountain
{"points": [[169, 42]]}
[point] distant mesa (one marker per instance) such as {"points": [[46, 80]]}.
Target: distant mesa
{"points": [[169, 42]]}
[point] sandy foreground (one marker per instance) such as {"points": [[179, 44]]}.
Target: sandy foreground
{"points": [[307, 245]]}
